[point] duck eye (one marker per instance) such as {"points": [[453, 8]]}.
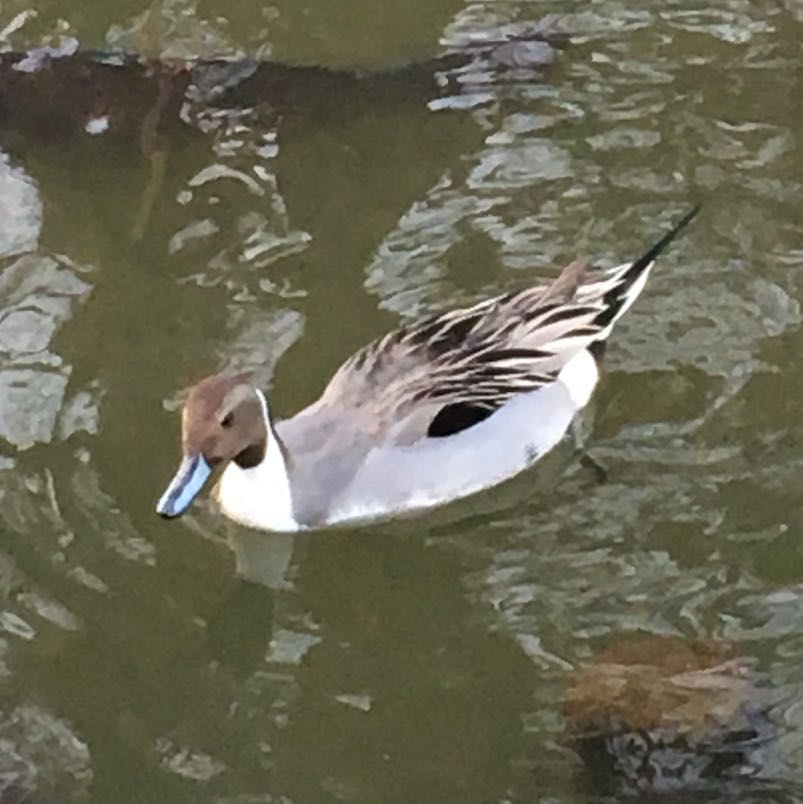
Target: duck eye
{"points": [[227, 420]]}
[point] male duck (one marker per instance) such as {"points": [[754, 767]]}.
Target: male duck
{"points": [[422, 416]]}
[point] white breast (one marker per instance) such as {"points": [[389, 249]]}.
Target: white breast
{"points": [[260, 497]]}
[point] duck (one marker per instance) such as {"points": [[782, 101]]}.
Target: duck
{"points": [[426, 414]]}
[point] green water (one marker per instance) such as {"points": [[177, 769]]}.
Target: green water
{"points": [[423, 660]]}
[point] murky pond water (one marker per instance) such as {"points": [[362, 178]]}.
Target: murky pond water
{"points": [[424, 660]]}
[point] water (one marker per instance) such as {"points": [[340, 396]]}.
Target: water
{"points": [[423, 660]]}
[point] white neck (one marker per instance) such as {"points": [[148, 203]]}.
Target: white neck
{"points": [[260, 497]]}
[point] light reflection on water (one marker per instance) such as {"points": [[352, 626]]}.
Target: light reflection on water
{"points": [[425, 659]]}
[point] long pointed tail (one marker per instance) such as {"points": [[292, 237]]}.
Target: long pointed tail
{"points": [[628, 280]]}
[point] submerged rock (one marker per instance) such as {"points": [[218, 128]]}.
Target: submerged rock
{"points": [[661, 713]]}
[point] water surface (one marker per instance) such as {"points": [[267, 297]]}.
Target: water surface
{"points": [[424, 660]]}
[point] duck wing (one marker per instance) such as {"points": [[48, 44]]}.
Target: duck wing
{"points": [[453, 370], [469, 361]]}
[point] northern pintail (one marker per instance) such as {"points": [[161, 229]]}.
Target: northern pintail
{"points": [[424, 415]]}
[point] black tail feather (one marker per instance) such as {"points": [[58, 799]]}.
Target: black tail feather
{"points": [[617, 296], [640, 263]]}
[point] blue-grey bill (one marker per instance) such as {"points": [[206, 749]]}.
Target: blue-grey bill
{"points": [[189, 480]]}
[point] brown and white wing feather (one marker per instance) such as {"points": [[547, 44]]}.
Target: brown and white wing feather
{"points": [[474, 360], [478, 358]]}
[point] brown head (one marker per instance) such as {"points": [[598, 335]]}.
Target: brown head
{"points": [[225, 419]]}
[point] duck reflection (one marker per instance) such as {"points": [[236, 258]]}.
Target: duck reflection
{"points": [[261, 557]]}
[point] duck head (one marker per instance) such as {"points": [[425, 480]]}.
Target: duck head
{"points": [[225, 418]]}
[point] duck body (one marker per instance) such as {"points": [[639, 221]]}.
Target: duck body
{"points": [[338, 479], [425, 415]]}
